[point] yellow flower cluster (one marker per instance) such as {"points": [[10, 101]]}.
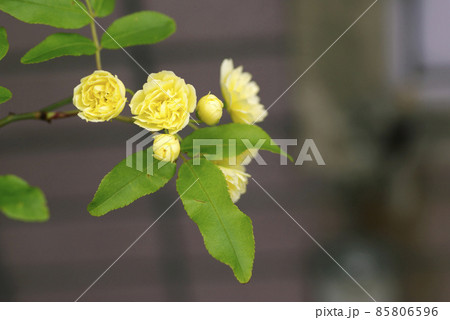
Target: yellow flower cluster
{"points": [[166, 102]]}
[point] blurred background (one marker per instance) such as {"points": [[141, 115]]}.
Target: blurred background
{"points": [[376, 105]]}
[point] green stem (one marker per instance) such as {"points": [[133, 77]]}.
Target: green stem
{"points": [[183, 157], [57, 105], [124, 119], [193, 126], [98, 59], [130, 91], [17, 117], [47, 116]]}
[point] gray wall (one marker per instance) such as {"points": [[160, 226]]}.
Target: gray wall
{"points": [[58, 260]]}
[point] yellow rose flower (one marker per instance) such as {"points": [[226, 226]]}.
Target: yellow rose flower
{"points": [[237, 180], [99, 97], [234, 171], [166, 147], [209, 109], [240, 94], [165, 102]]}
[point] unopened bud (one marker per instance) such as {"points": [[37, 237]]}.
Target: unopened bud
{"points": [[209, 109]]}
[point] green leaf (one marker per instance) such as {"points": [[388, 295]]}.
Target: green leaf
{"points": [[20, 201], [4, 45], [226, 231], [145, 27], [5, 94], [125, 183], [58, 45], [66, 14], [103, 8], [228, 134]]}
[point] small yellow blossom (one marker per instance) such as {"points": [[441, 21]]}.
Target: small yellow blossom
{"points": [[240, 94], [209, 109], [234, 171], [237, 180], [166, 147], [99, 97], [165, 102]]}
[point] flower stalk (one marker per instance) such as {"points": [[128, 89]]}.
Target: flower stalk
{"points": [[192, 125], [98, 60]]}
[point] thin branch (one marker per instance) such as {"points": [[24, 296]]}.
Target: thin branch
{"points": [[57, 105], [37, 115], [183, 157], [130, 91], [98, 59], [45, 114], [124, 119], [193, 126]]}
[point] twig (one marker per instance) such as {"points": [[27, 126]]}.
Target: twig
{"points": [[98, 59], [37, 115]]}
